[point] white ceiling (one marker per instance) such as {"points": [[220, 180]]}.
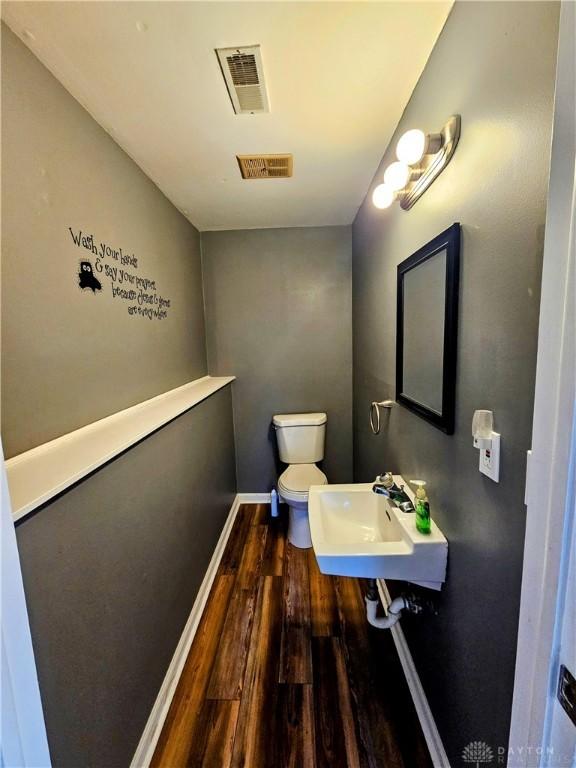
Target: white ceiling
{"points": [[339, 75]]}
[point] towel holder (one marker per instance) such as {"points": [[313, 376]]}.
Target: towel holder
{"points": [[375, 413]]}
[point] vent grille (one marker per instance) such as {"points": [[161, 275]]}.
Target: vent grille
{"points": [[265, 166], [242, 70], [250, 99]]}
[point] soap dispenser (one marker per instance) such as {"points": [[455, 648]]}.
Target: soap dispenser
{"points": [[422, 507]]}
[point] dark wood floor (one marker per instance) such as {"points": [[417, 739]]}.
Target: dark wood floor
{"points": [[284, 671]]}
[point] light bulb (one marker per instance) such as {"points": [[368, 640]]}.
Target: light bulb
{"points": [[397, 176], [383, 196], [411, 147]]}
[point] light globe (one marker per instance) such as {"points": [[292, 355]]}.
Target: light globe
{"points": [[383, 196]]}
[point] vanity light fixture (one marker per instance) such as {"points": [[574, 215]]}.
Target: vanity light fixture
{"points": [[421, 158]]}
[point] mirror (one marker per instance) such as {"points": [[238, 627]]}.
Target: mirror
{"points": [[427, 323]]}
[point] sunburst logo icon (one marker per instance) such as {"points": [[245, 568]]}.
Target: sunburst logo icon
{"points": [[477, 752]]}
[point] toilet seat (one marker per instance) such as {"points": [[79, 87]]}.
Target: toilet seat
{"points": [[294, 483]]}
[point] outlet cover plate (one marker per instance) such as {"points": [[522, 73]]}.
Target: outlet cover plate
{"points": [[490, 459]]}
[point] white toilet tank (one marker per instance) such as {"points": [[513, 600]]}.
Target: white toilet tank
{"points": [[300, 437]]}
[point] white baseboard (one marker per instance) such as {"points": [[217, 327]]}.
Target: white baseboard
{"points": [[149, 739], [254, 498], [433, 740]]}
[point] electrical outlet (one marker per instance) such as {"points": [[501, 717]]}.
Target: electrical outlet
{"points": [[490, 459]]}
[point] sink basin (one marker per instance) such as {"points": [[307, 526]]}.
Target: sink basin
{"points": [[356, 532]]}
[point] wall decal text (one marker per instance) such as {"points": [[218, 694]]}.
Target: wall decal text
{"points": [[140, 293]]}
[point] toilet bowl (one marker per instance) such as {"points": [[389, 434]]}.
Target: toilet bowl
{"points": [[293, 486], [300, 439]]}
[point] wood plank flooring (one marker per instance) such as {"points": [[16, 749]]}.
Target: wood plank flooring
{"points": [[285, 672]]}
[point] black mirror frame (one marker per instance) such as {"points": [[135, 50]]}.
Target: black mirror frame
{"points": [[448, 240]]}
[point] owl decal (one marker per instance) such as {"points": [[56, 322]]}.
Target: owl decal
{"points": [[87, 279]]}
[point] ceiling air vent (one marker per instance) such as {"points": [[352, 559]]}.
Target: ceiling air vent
{"points": [[244, 76], [265, 166]]}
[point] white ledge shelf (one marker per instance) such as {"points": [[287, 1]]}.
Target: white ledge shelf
{"points": [[36, 476]]}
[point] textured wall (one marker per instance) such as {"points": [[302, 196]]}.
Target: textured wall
{"points": [[112, 566], [111, 569], [279, 315], [72, 356], [494, 65]]}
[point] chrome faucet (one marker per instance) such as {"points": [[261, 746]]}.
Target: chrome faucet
{"points": [[385, 486]]}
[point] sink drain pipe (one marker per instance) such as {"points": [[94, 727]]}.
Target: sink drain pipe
{"points": [[394, 609]]}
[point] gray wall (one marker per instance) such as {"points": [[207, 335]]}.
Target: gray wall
{"points": [[494, 65], [278, 316], [111, 570], [112, 567], [71, 356]]}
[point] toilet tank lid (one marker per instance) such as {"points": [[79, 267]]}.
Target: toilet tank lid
{"points": [[299, 419]]}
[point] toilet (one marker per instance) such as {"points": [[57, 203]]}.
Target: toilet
{"points": [[300, 438]]}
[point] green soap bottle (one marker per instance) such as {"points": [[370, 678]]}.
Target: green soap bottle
{"points": [[422, 508]]}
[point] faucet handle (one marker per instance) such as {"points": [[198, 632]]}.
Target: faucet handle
{"points": [[386, 479]]}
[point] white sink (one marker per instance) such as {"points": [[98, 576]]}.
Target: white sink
{"points": [[356, 532]]}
